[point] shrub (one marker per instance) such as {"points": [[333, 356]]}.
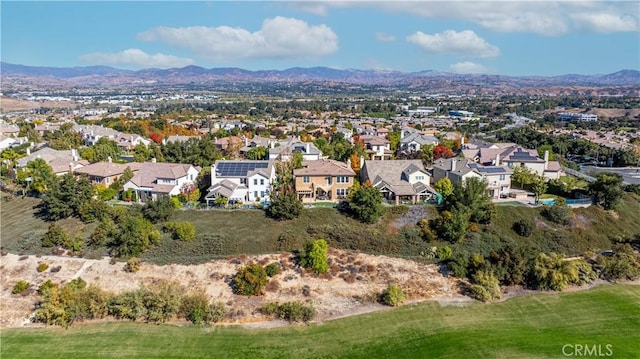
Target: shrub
{"points": [[184, 231], [128, 305], [195, 307], [557, 213], [392, 296], [315, 256], [55, 236], [523, 227], [42, 267], [250, 280], [291, 311], [20, 287], [623, 264], [554, 272], [365, 204], [159, 210], [132, 265], [443, 253], [161, 301], [272, 269], [485, 286]]}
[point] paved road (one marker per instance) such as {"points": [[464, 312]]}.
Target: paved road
{"points": [[630, 175]]}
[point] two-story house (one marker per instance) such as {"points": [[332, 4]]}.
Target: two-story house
{"points": [[323, 180], [514, 156], [415, 141], [399, 180], [377, 148], [287, 148], [157, 179], [242, 181], [498, 178]]}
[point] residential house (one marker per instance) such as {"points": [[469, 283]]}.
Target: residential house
{"points": [[415, 141], [47, 127], [347, 133], [498, 178], [92, 133], [9, 129], [399, 180], [514, 156], [105, 173], [178, 138], [10, 141], [323, 180], [242, 181], [377, 148], [128, 142], [156, 179], [287, 148], [61, 161]]}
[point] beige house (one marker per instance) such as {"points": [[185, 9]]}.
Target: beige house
{"points": [[323, 180], [105, 173], [399, 181]]}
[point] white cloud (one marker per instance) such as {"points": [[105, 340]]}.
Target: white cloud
{"points": [[278, 38], [450, 42], [311, 7], [381, 36], [605, 22], [549, 18], [468, 68], [136, 58]]}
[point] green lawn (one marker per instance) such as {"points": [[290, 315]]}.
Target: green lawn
{"points": [[534, 326]]}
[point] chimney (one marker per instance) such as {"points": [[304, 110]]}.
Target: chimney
{"points": [[546, 159], [109, 159], [71, 167], [213, 175], [308, 147], [246, 141], [462, 140], [153, 160], [361, 161], [349, 162], [453, 164], [497, 161], [272, 144], [28, 151]]}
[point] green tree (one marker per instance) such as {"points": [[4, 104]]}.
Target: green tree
{"points": [[42, 176], [623, 264], [315, 256], [250, 280], [607, 190], [257, 153], [159, 210], [538, 186], [284, 206], [444, 187], [543, 148], [365, 203], [452, 225], [55, 236], [134, 235], [67, 197], [522, 175], [472, 196]]}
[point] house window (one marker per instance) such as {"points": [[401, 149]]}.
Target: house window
{"points": [[305, 179], [419, 178], [341, 192], [255, 181], [261, 193], [255, 194], [502, 177], [342, 179], [106, 180], [262, 182], [329, 180], [243, 181]]}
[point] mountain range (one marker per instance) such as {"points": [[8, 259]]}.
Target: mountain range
{"points": [[109, 76]]}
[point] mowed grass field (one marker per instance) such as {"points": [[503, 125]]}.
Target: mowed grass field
{"points": [[533, 326]]}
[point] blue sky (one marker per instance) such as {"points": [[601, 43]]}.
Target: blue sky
{"points": [[499, 37]]}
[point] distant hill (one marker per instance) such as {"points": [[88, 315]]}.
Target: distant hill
{"points": [[105, 75]]}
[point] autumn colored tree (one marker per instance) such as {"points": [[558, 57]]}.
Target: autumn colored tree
{"points": [[441, 151], [155, 137]]}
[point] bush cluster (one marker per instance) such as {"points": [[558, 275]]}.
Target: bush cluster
{"points": [[557, 214], [485, 286], [290, 311], [20, 287], [42, 267], [272, 269], [392, 296], [183, 231], [314, 256], [250, 280], [523, 227]]}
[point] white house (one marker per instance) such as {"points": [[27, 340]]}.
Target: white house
{"points": [[515, 156], [377, 147], [415, 141], [498, 178], [243, 181], [156, 179], [286, 149]]}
